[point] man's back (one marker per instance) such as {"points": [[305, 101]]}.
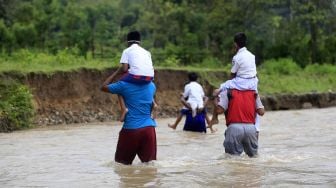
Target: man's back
{"points": [[139, 100], [241, 107]]}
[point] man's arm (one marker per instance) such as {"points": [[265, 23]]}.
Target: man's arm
{"points": [[121, 69], [184, 102], [260, 106]]}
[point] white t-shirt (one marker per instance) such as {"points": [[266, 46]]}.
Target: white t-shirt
{"points": [[243, 64], [139, 61], [195, 94]]}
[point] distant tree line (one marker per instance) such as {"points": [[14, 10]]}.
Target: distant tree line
{"points": [[188, 31]]}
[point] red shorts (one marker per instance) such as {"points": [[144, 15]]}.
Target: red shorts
{"points": [[132, 142]]}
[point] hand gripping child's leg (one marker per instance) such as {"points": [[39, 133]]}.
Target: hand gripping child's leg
{"points": [[123, 108]]}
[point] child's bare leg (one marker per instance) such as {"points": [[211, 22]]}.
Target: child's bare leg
{"points": [[207, 118], [208, 121], [123, 109], [154, 109], [177, 121], [214, 119]]}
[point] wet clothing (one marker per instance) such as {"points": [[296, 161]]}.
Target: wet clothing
{"points": [[132, 142], [195, 124], [241, 137]]}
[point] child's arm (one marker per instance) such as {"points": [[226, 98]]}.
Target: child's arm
{"points": [[121, 69]]}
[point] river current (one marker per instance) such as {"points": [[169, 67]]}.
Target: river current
{"points": [[297, 149]]}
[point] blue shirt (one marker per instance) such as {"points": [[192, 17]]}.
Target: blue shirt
{"points": [[139, 101]]}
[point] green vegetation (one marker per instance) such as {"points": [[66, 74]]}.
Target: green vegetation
{"points": [[180, 32], [16, 110], [25, 61], [285, 76]]}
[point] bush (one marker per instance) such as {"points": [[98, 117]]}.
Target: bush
{"points": [[16, 109], [280, 66], [320, 69]]}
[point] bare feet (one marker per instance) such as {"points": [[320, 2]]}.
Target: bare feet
{"points": [[123, 115], [173, 126], [213, 130], [212, 122]]}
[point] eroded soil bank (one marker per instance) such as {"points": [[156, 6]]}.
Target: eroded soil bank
{"points": [[75, 97]]}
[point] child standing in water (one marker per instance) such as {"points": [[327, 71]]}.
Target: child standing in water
{"points": [[243, 73], [193, 98], [136, 64]]}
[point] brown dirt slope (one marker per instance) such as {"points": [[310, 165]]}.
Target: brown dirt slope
{"points": [[75, 97]]}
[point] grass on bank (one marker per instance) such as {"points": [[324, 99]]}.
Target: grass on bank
{"points": [[275, 76], [25, 61]]}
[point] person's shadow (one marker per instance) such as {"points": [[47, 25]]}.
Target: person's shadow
{"points": [[136, 176]]}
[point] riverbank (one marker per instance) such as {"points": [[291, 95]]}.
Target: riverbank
{"points": [[75, 97]]}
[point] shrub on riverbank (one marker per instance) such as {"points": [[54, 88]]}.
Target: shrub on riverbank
{"points": [[16, 109], [285, 76]]}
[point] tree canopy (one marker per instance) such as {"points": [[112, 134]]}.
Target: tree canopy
{"points": [[185, 31]]}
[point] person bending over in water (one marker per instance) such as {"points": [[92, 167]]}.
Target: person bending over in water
{"points": [[193, 99]]}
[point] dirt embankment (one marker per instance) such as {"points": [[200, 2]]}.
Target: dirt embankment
{"points": [[75, 97]]}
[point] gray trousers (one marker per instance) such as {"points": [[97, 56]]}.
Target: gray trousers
{"points": [[241, 137]]}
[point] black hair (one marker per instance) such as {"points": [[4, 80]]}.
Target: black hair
{"points": [[240, 39], [133, 37], [192, 76]]}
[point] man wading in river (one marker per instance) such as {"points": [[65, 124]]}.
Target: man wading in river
{"points": [[137, 136], [240, 109]]}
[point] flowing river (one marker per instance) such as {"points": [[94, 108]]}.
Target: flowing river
{"points": [[297, 149]]}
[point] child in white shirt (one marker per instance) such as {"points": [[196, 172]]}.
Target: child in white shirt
{"points": [[136, 64], [243, 73], [193, 98]]}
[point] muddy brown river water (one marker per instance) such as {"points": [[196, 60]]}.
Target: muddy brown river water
{"points": [[297, 149]]}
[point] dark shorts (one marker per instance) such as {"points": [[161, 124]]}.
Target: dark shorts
{"points": [[196, 124], [136, 79], [132, 142]]}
